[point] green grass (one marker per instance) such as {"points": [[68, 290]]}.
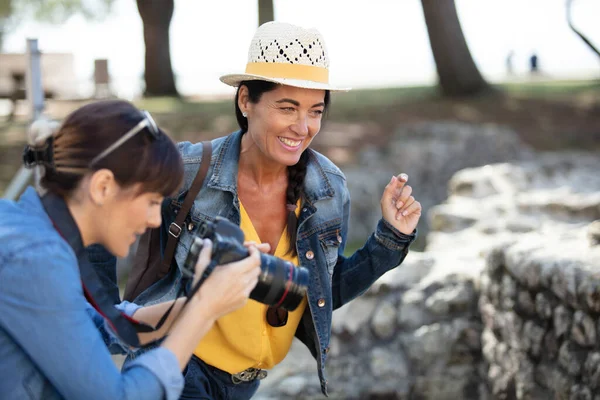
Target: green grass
{"points": [[354, 104]]}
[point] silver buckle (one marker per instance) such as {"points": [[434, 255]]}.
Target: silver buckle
{"points": [[174, 230], [248, 375]]}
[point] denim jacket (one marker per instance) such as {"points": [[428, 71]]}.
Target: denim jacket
{"points": [[53, 344], [322, 232]]}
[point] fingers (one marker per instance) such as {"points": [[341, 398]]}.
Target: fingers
{"points": [[204, 257], [392, 191], [262, 247], [403, 205], [404, 197], [413, 208]]}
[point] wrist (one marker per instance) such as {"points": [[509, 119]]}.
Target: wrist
{"points": [[201, 308]]}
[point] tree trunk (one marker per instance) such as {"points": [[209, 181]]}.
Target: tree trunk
{"points": [[265, 11], [457, 72], [156, 18], [578, 33]]}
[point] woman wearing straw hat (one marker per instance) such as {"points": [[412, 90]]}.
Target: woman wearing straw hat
{"points": [[265, 178]]}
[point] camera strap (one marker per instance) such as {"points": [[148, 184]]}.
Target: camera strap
{"points": [[124, 326]]}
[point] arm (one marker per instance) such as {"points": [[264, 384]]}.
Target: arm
{"points": [[385, 249], [50, 322], [43, 309]]}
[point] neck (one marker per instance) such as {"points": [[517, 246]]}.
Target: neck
{"points": [[255, 166], [83, 221]]}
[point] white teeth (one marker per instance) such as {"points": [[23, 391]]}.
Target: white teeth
{"points": [[291, 143]]}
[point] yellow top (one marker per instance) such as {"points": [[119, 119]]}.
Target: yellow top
{"points": [[244, 338]]}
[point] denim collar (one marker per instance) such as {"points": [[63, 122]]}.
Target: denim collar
{"points": [[225, 171]]}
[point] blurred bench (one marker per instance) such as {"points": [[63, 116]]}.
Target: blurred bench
{"points": [[58, 76]]}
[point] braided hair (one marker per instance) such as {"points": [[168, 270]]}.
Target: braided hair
{"points": [[296, 173]]}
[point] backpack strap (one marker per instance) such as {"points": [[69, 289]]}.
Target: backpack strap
{"points": [[176, 227]]}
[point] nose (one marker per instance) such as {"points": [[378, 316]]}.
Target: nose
{"points": [[154, 218], [301, 125]]}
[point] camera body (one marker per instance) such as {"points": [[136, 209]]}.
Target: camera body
{"points": [[281, 284]]}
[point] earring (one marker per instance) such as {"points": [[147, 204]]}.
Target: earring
{"points": [[245, 114]]}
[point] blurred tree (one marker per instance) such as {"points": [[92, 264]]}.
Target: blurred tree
{"points": [[577, 32], [51, 11], [457, 72], [156, 17], [265, 11]]}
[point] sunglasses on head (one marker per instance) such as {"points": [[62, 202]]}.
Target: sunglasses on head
{"points": [[146, 122], [277, 317]]}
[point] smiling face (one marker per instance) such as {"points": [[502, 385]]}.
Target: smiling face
{"points": [[127, 215], [283, 123]]}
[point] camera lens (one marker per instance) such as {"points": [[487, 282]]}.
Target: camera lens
{"points": [[281, 284]]}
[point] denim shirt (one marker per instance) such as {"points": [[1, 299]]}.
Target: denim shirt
{"points": [[53, 344], [322, 232]]}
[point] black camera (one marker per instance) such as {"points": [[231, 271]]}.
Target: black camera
{"points": [[281, 284]]}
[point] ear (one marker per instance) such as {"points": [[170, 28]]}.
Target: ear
{"points": [[102, 186], [243, 99]]}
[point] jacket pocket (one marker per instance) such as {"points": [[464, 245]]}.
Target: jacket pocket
{"points": [[330, 240]]}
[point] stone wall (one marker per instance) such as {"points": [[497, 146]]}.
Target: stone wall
{"points": [[414, 335], [430, 153], [503, 304], [540, 304]]}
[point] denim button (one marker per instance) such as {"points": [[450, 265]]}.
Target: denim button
{"points": [[326, 350], [191, 226], [310, 255], [321, 303]]}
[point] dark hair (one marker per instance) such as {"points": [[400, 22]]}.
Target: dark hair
{"points": [[296, 173], [89, 130]]}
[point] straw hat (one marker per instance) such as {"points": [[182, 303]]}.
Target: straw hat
{"points": [[286, 54]]}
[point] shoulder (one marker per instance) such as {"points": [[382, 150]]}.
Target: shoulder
{"points": [[26, 232], [192, 152], [318, 160]]}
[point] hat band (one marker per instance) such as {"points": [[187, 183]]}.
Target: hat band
{"points": [[289, 71]]}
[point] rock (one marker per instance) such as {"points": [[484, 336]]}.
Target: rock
{"points": [[430, 153], [384, 320], [353, 315], [456, 298], [385, 364], [594, 233], [563, 318], [412, 313], [591, 370], [571, 357], [583, 331], [293, 385]]}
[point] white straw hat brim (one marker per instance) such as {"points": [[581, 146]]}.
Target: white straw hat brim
{"points": [[235, 80]]}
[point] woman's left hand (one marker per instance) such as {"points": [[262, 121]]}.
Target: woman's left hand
{"points": [[398, 207]]}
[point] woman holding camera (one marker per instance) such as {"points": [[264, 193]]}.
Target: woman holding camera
{"points": [[107, 170], [266, 179]]}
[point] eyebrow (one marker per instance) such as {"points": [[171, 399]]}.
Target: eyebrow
{"points": [[297, 104]]}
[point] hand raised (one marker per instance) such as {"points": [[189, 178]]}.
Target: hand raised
{"points": [[398, 207]]}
